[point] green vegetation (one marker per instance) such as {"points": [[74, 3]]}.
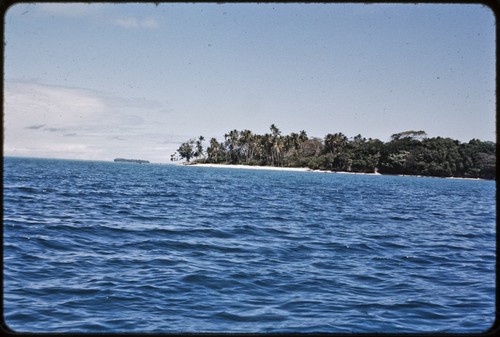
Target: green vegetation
{"points": [[408, 152]]}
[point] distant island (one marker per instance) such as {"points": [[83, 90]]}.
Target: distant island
{"points": [[407, 153], [138, 161]]}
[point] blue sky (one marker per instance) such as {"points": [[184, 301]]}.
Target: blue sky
{"points": [[100, 81]]}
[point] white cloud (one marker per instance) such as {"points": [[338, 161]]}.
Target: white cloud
{"points": [[127, 22], [62, 122], [135, 23], [150, 23], [69, 9], [34, 106], [98, 13]]}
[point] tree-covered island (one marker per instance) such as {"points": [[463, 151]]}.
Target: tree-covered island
{"points": [[408, 153]]}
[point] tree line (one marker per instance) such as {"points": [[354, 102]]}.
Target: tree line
{"points": [[409, 152]]}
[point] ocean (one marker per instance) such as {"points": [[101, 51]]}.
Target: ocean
{"points": [[94, 246]]}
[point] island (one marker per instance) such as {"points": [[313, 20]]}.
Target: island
{"points": [[138, 161], [409, 152]]}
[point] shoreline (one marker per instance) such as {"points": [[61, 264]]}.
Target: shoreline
{"points": [[306, 169], [255, 167]]}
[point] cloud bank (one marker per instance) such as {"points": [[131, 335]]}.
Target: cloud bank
{"points": [[61, 122], [135, 23], [100, 13]]}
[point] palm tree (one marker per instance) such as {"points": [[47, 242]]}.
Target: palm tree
{"points": [[266, 142], [291, 146], [334, 146], [232, 145], [258, 147], [276, 145], [335, 143], [276, 151], [186, 150], [303, 136], [213, 150], [199, 147], [245, 143], [274, 130]]}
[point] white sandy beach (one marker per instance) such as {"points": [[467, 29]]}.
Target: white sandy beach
{"points": [[305, 169], [273, 168], [249, 167]]}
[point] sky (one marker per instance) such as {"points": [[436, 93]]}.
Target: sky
{"points": [[100, 81]]}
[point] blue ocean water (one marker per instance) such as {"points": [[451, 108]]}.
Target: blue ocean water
{"points": [[120, 247]]}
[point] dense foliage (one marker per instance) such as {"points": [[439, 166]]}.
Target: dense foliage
{"points": [[409, 152]]}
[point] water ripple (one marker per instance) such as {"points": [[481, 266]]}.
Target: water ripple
{"points": [[107, 247]]}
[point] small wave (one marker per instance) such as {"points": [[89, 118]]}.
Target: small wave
{"points": [[402, 218], [301, 305], [60, 245], [71, 291], [28, 189], [267, 317]]}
